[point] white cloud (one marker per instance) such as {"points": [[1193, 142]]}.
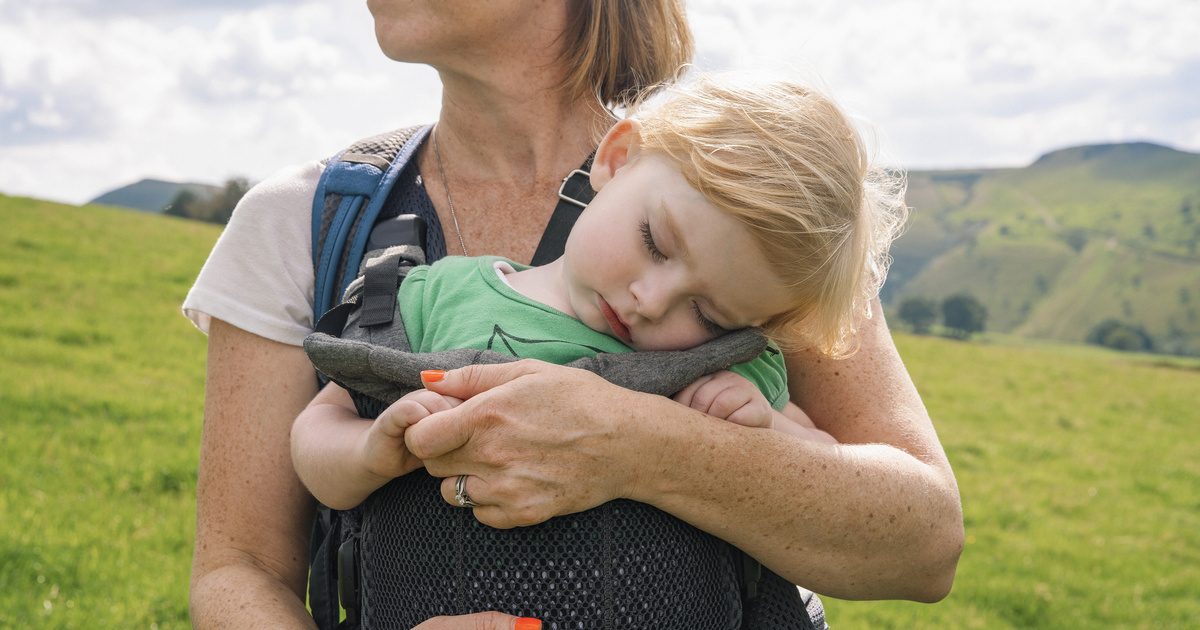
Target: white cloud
{"points": [[109, 92], [958, 83]]}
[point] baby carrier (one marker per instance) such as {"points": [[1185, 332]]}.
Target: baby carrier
{"points": [[405, 555]]}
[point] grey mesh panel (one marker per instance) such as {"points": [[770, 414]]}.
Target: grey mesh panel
{"points": [[409, 197], [778, 605], [621, 565], [385, 145]]}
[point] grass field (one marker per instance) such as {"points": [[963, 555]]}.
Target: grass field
{"points": [[1079, 468]]}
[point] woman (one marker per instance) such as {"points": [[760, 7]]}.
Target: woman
{"points": [[878, 517]]}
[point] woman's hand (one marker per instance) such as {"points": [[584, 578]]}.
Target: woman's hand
{"points": [[481, 621], [536, 440]]}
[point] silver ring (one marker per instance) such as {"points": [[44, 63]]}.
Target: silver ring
{"points": [[460, 493]]}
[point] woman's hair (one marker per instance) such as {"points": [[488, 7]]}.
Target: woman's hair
{"points": [[619, 51], [787, 163]]}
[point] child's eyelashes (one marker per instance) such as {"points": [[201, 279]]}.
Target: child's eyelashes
{"points": [[648, 239], [656, 254], [709, 325]]}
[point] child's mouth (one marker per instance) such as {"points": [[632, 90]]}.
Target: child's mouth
{"points": [[619, 329]]}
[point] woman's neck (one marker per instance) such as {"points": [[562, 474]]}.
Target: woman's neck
{"points": [[515, 127]]}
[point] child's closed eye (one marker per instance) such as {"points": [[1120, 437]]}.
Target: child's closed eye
{"points": [[709, 325], [651, 246]]}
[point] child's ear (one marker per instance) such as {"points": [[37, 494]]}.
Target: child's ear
{"points": [[618, 147]]}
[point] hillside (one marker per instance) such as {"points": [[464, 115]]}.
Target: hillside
{"points": [[1073, 519], [1081, 235], [151, 195], [101, 383]]}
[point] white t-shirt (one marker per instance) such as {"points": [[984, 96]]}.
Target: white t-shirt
{"points": [[259, 276]]}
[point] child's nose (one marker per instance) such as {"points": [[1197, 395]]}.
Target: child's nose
{"points": [[653, 295]]}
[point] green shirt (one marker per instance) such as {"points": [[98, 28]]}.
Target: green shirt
{"points": [[461, 302]]}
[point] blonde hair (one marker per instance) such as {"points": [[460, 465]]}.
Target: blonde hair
{"points": [[786, 162], [617, 52]]}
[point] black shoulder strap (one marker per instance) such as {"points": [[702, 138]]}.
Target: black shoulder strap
{"points": [[574, 195]]}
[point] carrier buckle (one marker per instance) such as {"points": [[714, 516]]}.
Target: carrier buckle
{"points": [[580, 192], [348, 587]]}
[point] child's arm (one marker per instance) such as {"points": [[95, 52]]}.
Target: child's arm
{"points": [[730, 396], [343, 458]]}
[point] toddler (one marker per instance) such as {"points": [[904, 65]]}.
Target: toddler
{"points": [[727, 206]]}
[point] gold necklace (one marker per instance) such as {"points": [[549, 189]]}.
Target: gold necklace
{"points": [[437, 152]]}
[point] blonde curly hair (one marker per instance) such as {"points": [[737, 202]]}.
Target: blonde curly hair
{"points": [[785, 161]]}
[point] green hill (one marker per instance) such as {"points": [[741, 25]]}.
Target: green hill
{"points": [[152, 195], [1078, 467], [101, 383], [1079, 236]]}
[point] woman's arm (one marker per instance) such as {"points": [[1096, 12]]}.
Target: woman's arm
{"points": [[253, 516], [878, 517]]}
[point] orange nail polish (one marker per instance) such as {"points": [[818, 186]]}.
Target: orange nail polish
{"points": [[433, 376], [528, 623]]}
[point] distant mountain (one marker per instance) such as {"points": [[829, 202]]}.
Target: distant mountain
{"points": [[1081, 235], [152, 195]]}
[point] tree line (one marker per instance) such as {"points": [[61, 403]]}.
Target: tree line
{"points": [[961, 314], [214, 208]]}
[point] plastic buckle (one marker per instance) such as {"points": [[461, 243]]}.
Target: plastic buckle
{"points": [[348, 587], [562, 190]]}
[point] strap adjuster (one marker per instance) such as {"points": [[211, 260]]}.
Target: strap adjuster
{"points": [[581, 188]]}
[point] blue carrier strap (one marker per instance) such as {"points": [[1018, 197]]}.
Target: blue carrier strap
{"points": [[350, 194]]}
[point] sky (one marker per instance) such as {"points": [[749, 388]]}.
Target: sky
{"points": [[95, 94]]}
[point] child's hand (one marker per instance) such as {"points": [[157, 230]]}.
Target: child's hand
{"points": [[382, 450], [726, 395]]}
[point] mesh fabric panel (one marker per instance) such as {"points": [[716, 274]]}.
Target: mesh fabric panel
{"points": [[385, 145], [621, 565], [778, 605], [816, 612], [408, 196]]}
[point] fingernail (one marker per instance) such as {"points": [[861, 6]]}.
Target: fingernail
{"points": [[528, 623], [433, 376]]}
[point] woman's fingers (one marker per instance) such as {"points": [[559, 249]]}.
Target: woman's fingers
{"points": [[441, 433], [403, 413], [473, 490], [544, 442], [491, 506], [481, 621], [473, 380]]}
